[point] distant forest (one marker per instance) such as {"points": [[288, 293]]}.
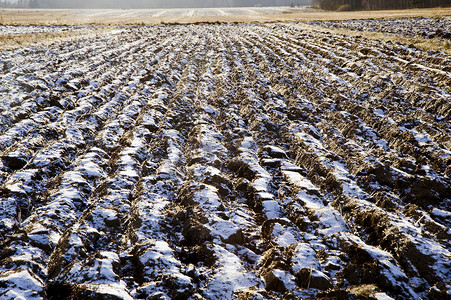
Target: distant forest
{"points": [[148, 3], [379, 4]]}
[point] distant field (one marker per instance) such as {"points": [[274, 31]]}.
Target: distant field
{"points": [[147, 16], [21, 36], [187, 16], [194, 12]]}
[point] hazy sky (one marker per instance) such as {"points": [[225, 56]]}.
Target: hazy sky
{"points": [[164, 3]]}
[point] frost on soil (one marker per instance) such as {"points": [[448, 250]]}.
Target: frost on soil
{"points": [[222, 162]]}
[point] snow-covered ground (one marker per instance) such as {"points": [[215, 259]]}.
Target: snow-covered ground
{"points": [[222, 162], [409, 27], [190, 12], [22, 29]]}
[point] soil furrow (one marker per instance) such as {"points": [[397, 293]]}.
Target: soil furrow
{"points": [[322, 129], [224, 161]]}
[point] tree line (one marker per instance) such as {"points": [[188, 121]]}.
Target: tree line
{"points": [[18, 4], [379, 4]]}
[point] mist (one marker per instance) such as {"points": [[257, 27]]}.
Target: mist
{"points": [[125, 4]]}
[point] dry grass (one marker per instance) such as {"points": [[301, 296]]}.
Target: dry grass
{"points": [[45, 38], [419, 42], [69, 17]]}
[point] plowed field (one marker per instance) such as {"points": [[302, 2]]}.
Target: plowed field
{"points": [[224, 161]]}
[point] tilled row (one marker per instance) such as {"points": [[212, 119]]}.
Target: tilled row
{"points": [[310, 213], [333, 167], [224, 161], [411, 27]]}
